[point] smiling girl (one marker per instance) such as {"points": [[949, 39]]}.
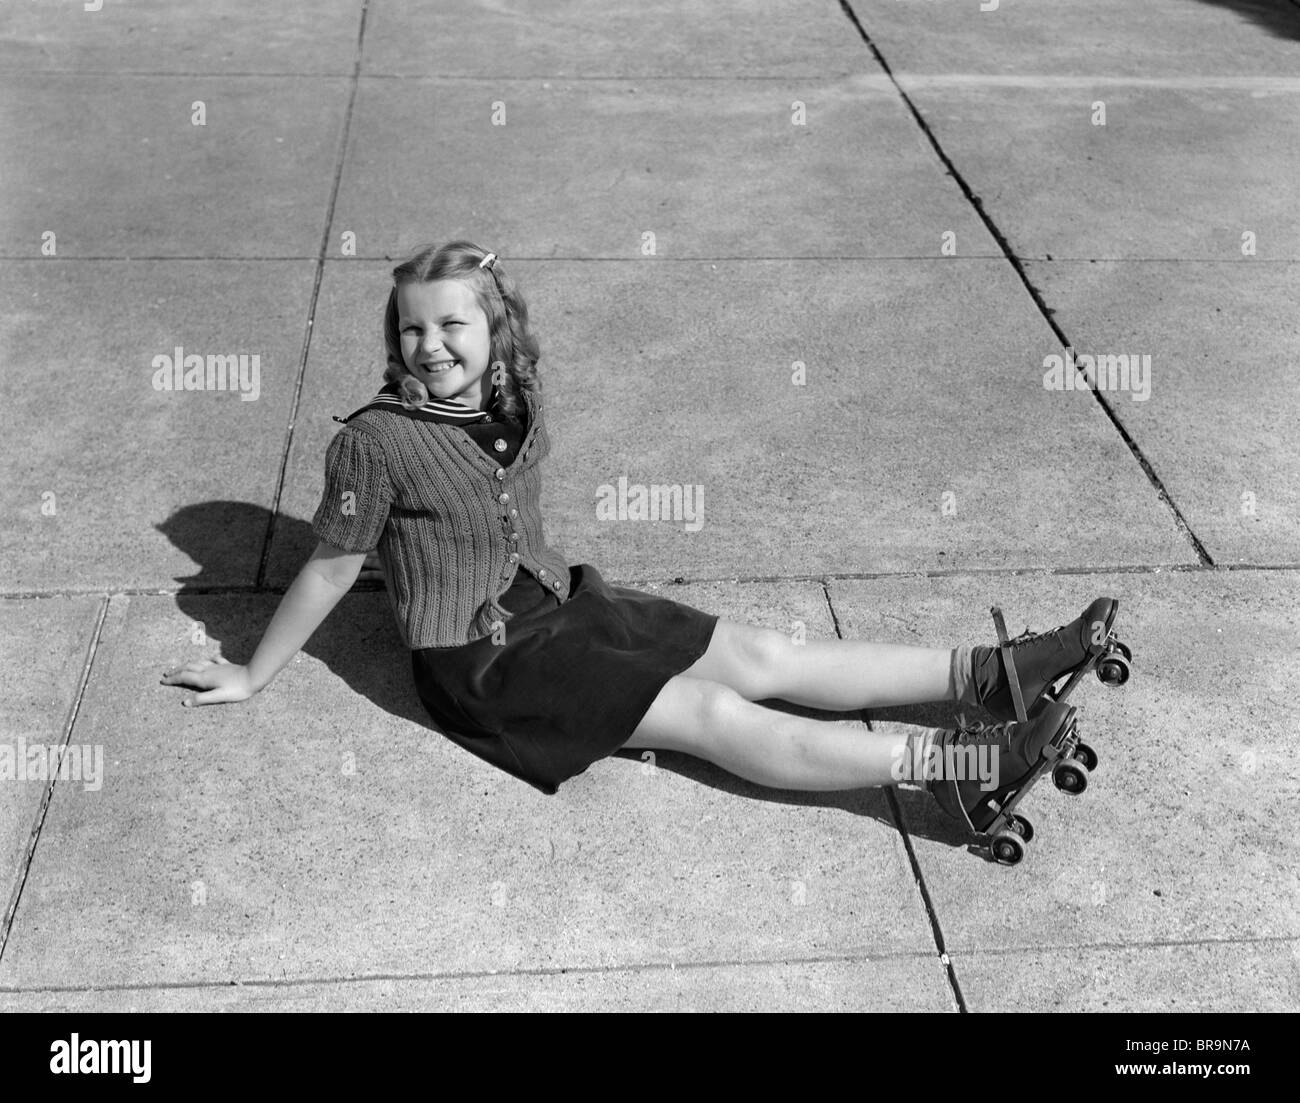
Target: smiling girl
{"points": [[542, 668]]}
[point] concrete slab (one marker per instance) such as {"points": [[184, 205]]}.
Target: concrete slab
{"points": [[1224, 977], [624, 38], [117, 484], [1174, 173], [880, 985], [115, 166], [153, 36], [43, 648], [320, 845], [691, 369], [1181, 834], [1219, 426], [319, 831], [1160, 39], [710, 168]]}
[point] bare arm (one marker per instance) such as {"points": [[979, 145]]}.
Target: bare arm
{"points": [[322, 582]]}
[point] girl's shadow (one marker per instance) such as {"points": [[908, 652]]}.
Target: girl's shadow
{"points": [[1279, 17], [359, 643], [908, 810]]}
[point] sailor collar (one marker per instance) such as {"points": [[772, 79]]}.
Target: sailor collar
{"points": [[445, 411]]}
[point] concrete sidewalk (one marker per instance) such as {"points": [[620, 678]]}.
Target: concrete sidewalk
{"points": [[811, 258]]}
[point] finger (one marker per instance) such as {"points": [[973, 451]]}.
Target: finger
{"points": [[177, 678], [194, 667], [210, 677], [217, 696]]}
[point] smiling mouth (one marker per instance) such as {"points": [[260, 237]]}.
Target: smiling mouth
{"points": [[440, 366]]}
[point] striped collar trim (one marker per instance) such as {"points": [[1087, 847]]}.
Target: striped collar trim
{"points": [[436, 409]]}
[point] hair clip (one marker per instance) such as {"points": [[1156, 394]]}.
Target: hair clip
{"points": [[488, 261]]}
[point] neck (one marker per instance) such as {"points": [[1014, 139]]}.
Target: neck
{"points": [[481, 397]]}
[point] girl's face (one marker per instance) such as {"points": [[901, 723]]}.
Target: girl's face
{"points": [[445, 340]]}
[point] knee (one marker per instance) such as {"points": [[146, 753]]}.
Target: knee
{"points": [[717, 706], [765, 651]]}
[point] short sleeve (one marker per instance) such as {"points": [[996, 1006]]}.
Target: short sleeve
{"points": [[358, 494]]}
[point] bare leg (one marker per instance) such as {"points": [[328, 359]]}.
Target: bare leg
{"points": [[760, 663], [712, 721]]}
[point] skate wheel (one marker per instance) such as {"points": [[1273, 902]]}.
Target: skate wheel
{"points": [[1008, 848], [1113, 670], [1070, 777], [1086, 756], [1022, 827]]}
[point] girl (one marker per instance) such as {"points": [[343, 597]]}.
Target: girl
{"points": [[541, 668]]}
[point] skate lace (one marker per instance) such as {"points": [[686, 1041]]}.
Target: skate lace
{"points": [[977, 731], [1029, 636]]}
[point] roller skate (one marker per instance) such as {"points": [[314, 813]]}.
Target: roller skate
{"points": [[986, 769], [1036, 739], [1013, 678]]}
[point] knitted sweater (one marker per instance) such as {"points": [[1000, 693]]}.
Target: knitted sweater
{"points": [[452, 527]]}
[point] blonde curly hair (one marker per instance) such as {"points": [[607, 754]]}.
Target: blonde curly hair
{"points": [[511, 343]]}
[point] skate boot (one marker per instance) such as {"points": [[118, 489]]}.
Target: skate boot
{"points": [[984, 771], [1040, 660]]}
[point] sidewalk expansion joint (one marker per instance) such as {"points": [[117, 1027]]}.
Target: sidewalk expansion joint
{"points": [[173, 74], [488, 974], [1266, 82], [1035, 295], [1144, 944], [931, 914], [830, 608], [936, 931], [253, 589], [315, 296], [29, 851], [703, 258], [215, 258]]}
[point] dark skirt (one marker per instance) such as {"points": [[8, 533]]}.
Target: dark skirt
{"points": [[569, 684]]}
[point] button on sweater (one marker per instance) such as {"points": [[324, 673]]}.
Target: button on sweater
{"points": [[452, 525]]}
